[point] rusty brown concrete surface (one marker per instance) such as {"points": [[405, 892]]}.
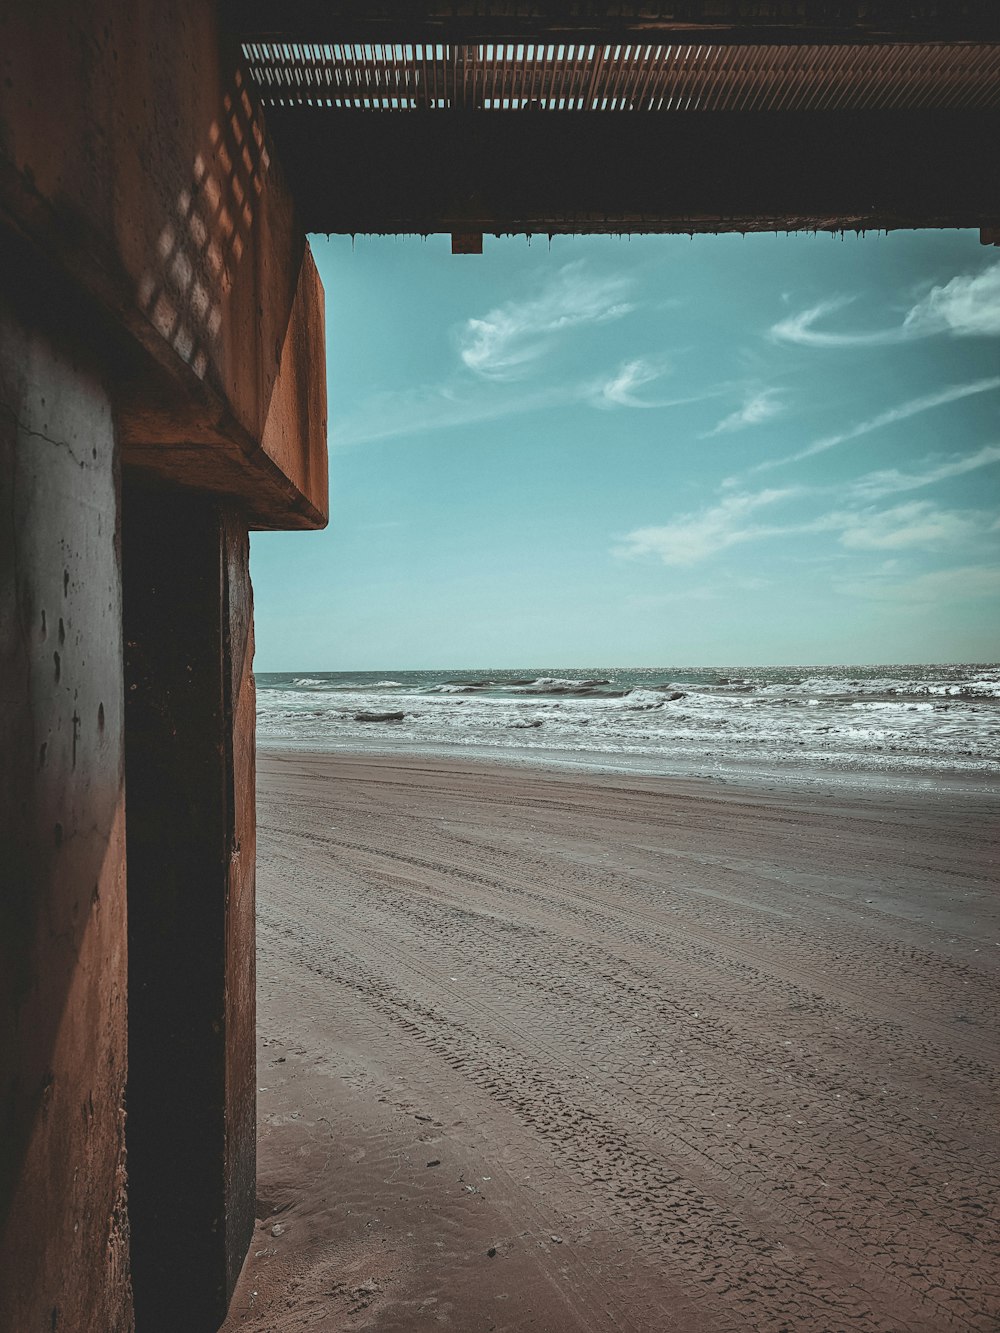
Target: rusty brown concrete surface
{"points": [[64, 1243], [136, 163], [299, 393], [240, 958]]}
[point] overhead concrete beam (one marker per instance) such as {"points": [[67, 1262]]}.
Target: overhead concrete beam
{"points": [[134, 162], [727, 21], [580, 171]]}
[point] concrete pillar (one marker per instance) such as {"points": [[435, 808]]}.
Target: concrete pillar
{"points": [[145, 221], [189, 743], [63, 1230]]}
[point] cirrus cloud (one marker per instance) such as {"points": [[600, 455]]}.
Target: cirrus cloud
{"points": [[968, 306], [622, 389], [952, 393], [697, 536], [505, 343], [756, 408], [735, 520], [888, 481], [918, 523]]}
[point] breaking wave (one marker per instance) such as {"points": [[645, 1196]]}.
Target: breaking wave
{"points": [[924, 719]]}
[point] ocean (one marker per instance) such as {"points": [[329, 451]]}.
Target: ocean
{"points": [[922, 722]]}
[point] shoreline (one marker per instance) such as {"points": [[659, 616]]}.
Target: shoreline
{"points": [[589, 1051]]}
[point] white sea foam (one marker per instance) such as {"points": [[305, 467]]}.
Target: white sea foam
{"points": [[912, 719]]}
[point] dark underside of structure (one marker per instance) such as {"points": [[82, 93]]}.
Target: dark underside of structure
{"points": [[673, 117]]}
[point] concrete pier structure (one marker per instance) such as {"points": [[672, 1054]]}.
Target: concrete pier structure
{"points": [[163, 393]]}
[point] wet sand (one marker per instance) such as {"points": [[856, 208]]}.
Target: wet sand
{"points": [[555, 1051]]}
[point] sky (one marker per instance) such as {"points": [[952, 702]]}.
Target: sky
{"points": [[663, 450]]}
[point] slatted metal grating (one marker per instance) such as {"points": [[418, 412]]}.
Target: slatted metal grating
{"points": [[527, 76]]}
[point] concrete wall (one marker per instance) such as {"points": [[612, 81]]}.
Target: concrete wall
{"points": [[240, 961], [63, 1234], [133, 158], [160, 319]]}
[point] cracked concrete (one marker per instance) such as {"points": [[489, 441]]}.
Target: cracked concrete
{"points": [[63, 1229]]}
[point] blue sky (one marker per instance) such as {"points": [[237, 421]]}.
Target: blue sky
{"points": [[719, 450]]}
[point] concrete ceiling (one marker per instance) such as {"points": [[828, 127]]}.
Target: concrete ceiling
{"points": [[704, 115]]}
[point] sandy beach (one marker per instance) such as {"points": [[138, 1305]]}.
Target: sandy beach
{"points": [[547, 1050]]}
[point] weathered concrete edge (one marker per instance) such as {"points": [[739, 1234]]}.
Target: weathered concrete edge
{"points": [[90, 196], [195, 438]]}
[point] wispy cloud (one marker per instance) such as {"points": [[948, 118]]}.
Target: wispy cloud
{"points": [[505, 343], [465, 400], [622, 389], [890, 481], [800, 329], [901, 412], [756, 408], [388, 416], [693, 537], [736, 520], [918, 523], [966, 307]]}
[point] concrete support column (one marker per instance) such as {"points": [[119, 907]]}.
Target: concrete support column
{"points": [[63, 1229], [189, 746]]}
